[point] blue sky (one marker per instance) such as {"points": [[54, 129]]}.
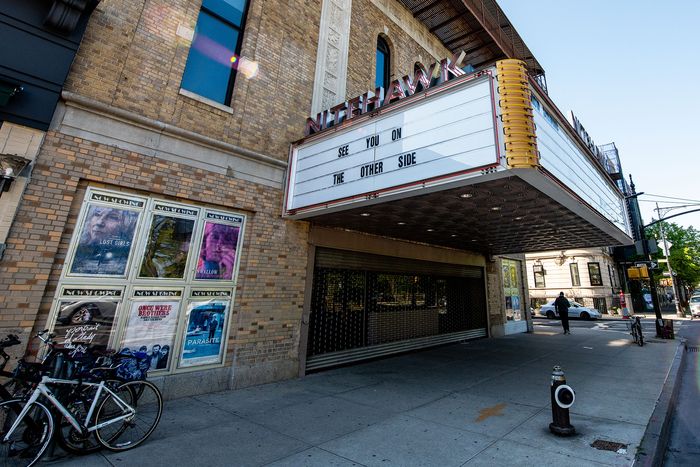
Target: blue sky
{"points": [[630, 71]]}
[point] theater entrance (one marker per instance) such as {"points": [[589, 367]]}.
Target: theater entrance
{"points": [[365, 306]]}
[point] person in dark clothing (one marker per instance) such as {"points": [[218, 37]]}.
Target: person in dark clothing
{"points": [[561, 304]]}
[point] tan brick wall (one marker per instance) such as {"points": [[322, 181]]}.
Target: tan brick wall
{"points": [[270, 294], [131, 58]]}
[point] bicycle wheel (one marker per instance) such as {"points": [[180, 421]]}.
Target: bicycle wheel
{"points": [[641, 338], [73, 440], [129, 433], [31, 437]]}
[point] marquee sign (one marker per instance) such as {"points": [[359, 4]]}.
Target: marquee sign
{"points": [[444, 134]]}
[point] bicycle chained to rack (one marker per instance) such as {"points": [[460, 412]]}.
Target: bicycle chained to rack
{"points": [[102, 399]]}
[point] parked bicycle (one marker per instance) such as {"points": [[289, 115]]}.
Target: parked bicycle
{"points": [[104, 402], [636, 331]]}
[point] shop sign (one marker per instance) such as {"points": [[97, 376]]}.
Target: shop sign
{"points": [[441, 136]]}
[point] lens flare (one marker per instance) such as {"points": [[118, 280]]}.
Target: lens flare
{"points": [[249, 68], [225, 56]]}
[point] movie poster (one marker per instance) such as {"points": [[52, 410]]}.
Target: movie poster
{"points": [[106, 238], [204, 335], [151, 329], [167, 248], [85, 324], [217, 257]]}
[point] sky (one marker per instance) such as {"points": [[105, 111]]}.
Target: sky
{"points": [[630, 71]]}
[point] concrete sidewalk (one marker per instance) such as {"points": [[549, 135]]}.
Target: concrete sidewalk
{"points": [[483, 402]]}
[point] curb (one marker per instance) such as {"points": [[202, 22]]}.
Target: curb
{"points": [[652, 449]]}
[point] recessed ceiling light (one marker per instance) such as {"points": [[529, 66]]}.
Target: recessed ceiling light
{"points": [[519, 218], [473, 239], [401, 223], [365, 214], [466, 195], [430, 230], [453, 235], [496, 208]]}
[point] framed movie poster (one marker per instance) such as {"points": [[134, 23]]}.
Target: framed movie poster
{"points": [[219, 247], [167, 247], [205, 332], [106, 239], [85, 323], [152, 325]]}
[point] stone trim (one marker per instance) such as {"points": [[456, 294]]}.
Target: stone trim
{"points": [[330, 80], [86, 118]]}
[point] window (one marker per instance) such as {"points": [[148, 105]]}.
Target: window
{"points": [[575, 279], [594, 273], [539, 276], [383, 64], [211, 64]]}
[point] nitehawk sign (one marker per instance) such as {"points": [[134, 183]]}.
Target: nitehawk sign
{"points": [[439, 134]]}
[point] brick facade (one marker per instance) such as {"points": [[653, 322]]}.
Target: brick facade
{"points": [[129, 66]]}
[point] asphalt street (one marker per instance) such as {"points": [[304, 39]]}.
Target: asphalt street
{"points": [[683, 447], [621, 326]]}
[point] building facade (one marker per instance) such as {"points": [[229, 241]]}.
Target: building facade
{"points": [[588, 276], [177, 204]]}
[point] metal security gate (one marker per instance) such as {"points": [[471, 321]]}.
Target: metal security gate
{"points": [[363, 306]]}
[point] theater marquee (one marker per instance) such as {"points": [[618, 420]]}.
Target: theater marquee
{"points": [[443, 134]]}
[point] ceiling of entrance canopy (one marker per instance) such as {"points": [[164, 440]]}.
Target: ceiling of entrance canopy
{"points": [[479, 27], [510, 214]]}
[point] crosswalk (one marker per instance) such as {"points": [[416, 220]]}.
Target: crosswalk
{"points": [[648, 325]]}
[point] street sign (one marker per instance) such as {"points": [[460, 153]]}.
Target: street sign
{"points": [[667, 274], [649, 264]]}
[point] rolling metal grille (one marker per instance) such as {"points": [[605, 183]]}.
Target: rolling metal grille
{"points": [[364, 303]]}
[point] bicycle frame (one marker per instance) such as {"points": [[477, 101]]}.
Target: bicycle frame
{"points": [[43, 390]]}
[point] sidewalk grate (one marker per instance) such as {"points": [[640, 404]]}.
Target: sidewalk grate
{"points": [[608, 445], [692, 349]]}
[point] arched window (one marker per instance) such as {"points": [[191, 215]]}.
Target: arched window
{"points": [[383, 62]]}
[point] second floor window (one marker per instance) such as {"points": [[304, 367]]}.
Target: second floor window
{"points": [[382, 73], [539, 279], [594, 273], [575, 279], [214, 53]]}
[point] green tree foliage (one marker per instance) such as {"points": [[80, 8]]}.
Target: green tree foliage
{"points": [[684, 252]]}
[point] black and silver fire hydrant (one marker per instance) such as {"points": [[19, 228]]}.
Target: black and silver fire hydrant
{"points": [[563, 397]]}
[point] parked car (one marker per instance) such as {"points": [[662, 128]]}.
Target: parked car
{"points": [[695, 306], [576, 310]]}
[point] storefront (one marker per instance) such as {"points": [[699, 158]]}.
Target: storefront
{"points": [[366, 305]]}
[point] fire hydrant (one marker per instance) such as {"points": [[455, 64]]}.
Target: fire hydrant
{"points": [[563, 397]]}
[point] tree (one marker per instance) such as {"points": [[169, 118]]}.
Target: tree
{"points": [[684, 253]]}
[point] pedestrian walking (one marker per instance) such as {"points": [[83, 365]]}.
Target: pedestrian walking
{"points": [[561, 304]]}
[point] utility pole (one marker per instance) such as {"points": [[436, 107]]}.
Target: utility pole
{"points": [[638, 229], [679, 310]]}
